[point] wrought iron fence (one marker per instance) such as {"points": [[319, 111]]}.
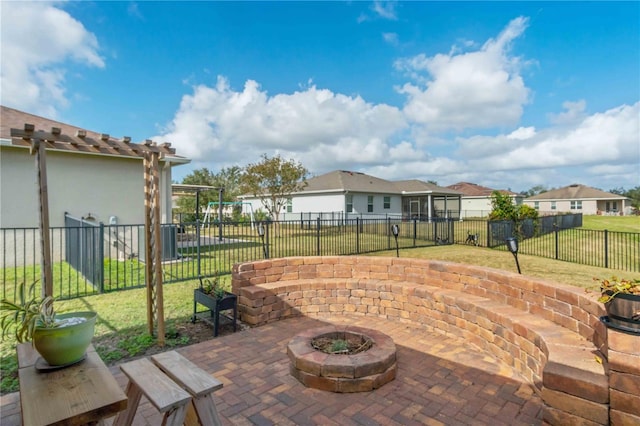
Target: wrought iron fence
{"points": [[89, 259]]}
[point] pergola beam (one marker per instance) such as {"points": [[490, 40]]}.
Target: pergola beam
{"points": [[39, 141], [86, 143]]}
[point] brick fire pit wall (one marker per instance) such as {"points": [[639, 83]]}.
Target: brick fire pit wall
{"points": [[551, 333], [361, 372]]}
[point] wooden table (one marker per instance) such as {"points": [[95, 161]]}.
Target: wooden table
{"points": [[82, 394]]}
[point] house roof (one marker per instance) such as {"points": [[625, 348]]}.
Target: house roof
{"points": [[418, 186], [345, 180], [474, 190], [65, 137], [575, 192]]}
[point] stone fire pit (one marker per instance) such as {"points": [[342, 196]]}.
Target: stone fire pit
{"points": [[361, 372]]}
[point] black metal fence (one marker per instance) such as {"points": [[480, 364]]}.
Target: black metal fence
{"points": [[89, 259]]}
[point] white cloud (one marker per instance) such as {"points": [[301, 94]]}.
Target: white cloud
{"points": [[479, 89], [32, 77], [134, 10], [609, 138], [522, 133], [380, 9], [219, 124], [390, 38], [574, 112], [385, 9]]}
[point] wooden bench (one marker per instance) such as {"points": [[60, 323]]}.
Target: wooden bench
{"points": [[175, 386], [148, 380], [197, 382]]}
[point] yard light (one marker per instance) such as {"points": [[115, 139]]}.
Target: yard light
{"points": [[261, 232], [395, 229], [512, 245]]}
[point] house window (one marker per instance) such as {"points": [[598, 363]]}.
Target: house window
{"points": [[289, 205], [349, 203], [387, 203], [553, 205], [370, 203], [576, 205], [536, 205]]}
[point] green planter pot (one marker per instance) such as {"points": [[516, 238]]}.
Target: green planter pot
{"points": [[68, 344]]}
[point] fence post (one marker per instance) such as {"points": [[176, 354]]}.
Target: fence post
{"points": [[318, 236], [488, 233], [415, 231], [606, 248], [555, 228], [357, 235], [388, 233], [101, 260]]}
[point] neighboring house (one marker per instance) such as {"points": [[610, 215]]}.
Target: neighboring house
{"points": [[106, 187], [476, 199], [353, 194], [580, 199]]}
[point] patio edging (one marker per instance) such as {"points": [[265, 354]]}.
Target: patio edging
{"points": [[549, 332]]}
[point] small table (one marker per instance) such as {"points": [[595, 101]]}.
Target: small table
{"points": [[84, 393]]}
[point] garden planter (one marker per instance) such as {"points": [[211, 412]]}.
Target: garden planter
{"points": [[66, 344], [623, 312], [215, 305]]}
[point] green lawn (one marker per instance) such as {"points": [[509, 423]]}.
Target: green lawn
{"points": [[611, 223]]}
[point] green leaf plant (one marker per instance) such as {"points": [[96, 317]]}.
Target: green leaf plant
{"points": [[28, 312]]}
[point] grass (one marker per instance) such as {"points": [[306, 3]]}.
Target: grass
{"points": [[612, 223], [552, 270]]}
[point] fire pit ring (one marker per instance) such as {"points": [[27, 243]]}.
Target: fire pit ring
{"points": [[361, 372]]}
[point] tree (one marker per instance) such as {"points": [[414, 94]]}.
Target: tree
{"points": [[273, 180], [503, 208], [227, 178], [633, 194], [538, 189]]}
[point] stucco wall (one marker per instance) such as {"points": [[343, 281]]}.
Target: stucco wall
{"points": [[77, 184]]}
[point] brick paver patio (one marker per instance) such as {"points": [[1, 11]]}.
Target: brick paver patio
{"points": [[440, 381]]}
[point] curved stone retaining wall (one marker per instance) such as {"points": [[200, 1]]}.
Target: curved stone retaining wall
{"points": [[549, 332]]}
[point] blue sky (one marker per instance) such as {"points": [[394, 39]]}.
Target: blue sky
{"points": [[503, 94]]}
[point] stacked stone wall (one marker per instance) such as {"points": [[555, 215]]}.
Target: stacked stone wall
{"points": [[550, 332]]}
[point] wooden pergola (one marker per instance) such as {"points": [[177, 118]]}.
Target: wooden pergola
{"points": [[94, 143]]}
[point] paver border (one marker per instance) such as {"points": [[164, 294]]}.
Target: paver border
{"points": [[551, 333]]}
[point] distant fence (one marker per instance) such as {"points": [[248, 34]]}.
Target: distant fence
{"points": [[89, 259]]}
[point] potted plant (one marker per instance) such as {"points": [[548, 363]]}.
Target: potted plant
{"points": [[217, 299], [61, 339], [621, 298]]}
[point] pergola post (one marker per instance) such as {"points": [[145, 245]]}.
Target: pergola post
{"points": [[92, 143], [153, 246], [46, 275]]}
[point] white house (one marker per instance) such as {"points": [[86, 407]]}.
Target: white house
{"points": [[580, 199], [476, 199], [348, 194], [104, 186]]}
